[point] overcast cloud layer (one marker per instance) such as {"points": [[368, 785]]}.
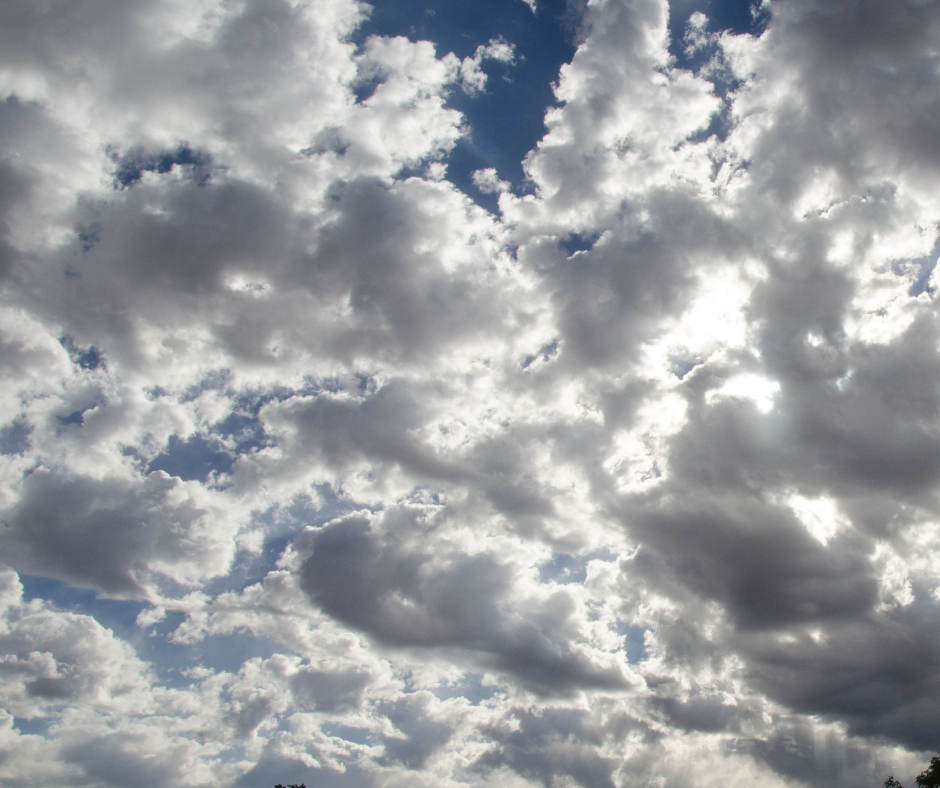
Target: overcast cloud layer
{"points": [[316, 470]]}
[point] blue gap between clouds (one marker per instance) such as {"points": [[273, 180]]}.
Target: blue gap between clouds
{"points": [[220, 652], [192, 460], [361, 736], [507, 120], [634, 640], [470, 687], [922, 268], [280, 531], [14, 437], [197, 457], [37, 726], [89, 358], [563, 568], [576, 242], [117, 614], [736, 16], [130, 167]]}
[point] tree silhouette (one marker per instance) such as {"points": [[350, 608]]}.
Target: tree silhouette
{"points": [[292, 785], [928, 778]]}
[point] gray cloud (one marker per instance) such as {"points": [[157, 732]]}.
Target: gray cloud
{"points": [[554, 743], [101, 534], [635, 474], [410, 597]]}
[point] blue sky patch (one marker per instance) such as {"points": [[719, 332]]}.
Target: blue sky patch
{"points": [[37, 726], [194, 459], [131, 166], [89, 358], [117, 614], [14, 437], [508, 119], [564, 568], [576, 242], [634, 641]]}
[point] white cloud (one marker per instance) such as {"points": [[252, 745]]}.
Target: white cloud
{"points": [[488, 182], [821, 516], [756, 388], [472, 77], [639, 473]]}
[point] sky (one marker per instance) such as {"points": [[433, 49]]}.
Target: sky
{"points": [[435, 393]]}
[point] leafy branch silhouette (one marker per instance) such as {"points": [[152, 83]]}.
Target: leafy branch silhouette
{"points": [[929, 778]]}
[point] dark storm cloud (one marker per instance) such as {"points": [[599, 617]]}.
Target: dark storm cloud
{"points": [[703, 713], [763, 566], [796, 751], [866, 111], [874, 431], [44, 35], [202, 233], [880, 674], [27, 136], [380, 583], [549, 744], [871, 444], [113, 759], [146, 263], [98, 533]]}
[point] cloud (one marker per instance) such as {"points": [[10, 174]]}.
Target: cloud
{"points": [[631, 483], [53, 659], [409, 598], [488, 182], [109, 533], [472, 77]]}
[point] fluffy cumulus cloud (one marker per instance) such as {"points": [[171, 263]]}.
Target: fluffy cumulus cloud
{"points": [[321, 462]]}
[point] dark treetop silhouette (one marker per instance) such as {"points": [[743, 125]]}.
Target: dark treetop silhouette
{"points": [[929, 778]]}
